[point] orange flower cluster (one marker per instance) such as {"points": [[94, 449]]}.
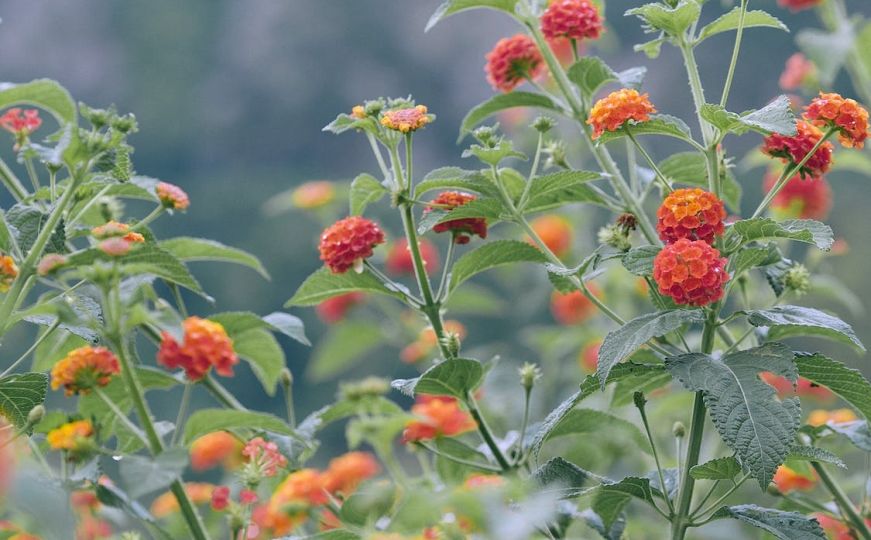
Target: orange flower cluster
{"points": [[821, 417], [793, 149], [172, 196], [213, 449], [205, 345], [406, 120], [691, 272], [797, 72], [333, 310], [464, 228], [512, 61], [83, 369], [848, 117], [613, 111], [572, 308], [346, 243], [113, 229], [836, 529], [798, 5], [588, 359], [437, 416], [20, 122], [8, 272], [166, 503], [427, 342], [808, 198], [399, 260], [555, 231], [72, 436], [314, 194], [788, 480], [690, 213], [803, 388], [572, 19], [346, 472]]}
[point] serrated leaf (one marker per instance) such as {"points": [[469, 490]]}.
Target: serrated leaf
{"points": [[143, 475], [730, 21], [28, 220], [781, 524], [801, 230], [190, 249], [455, 377], [449, 7], [792, 321], [590, 420], [621, 343], [19, 394], [208, 420], [558, 472], [857, 432], [492, 255], [500, 102], [813, 453], [365, 190], [639, 260], [749, 417], [324, 284], [689, 168], [489, 209], [672, 20], [457, 179], [544, 187], [725, 468], [591, 73], [342, 346], [751, 257], [776, 117], [846, 382], [612, 498], [43, 93], [659, 124]]}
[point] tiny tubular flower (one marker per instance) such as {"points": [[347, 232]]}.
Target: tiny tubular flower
{"points": [[406, 120], [83, 369], [348, 242], [171, 196], [690, 272], [49, 263], [797, 72], [205, 345], [512, 61], [691, 213], [463, 228], [437, 416], [73, 436], [613, 111], [399, 260], [264, 456], [288, 507], [821, 417], [314, 194], [213, 449], [792, 150], [571, 19], [845, 115], [556, 233], [20, 122], [788, 480], [574, 307], [346, 472], [8, 272], [801, 198], [334, 309]]}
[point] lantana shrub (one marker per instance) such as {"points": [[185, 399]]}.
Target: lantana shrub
{"points": [[678, 317]]}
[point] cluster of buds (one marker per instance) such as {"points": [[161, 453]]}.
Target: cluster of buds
{"points": [[263, 459], [116, 239]]}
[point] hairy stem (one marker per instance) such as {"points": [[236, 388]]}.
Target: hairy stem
{"points": [[735, 50]]}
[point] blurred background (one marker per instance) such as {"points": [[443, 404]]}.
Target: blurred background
{"points": [[231, 97]]}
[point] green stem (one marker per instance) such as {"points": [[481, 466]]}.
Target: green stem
{"points": [[532, 171], [149, 218], [31, 173], [12, 183], [93, 200], [442, 292], [182, 411], [288, 403], [32, 348], [525, 422], [486, 433], [661, 177], [662, 484], [378, 157], [461, 461], [716, 504], [696, 89], [123, 418], [222, 394], [735, 50], [843, 501]]}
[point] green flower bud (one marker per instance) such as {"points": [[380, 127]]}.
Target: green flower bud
{"points": [[35, 415], [543, 124], [529, 373], [797, 279], [679, 430], [614, 236]]}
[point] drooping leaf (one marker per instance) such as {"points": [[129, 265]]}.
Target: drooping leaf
{"points": [[791, 321], [43, 93], [781, 524], [559, 473], [190, 249], [802, 230], [455, 377], [846, 382], [19, 394], [492, 255], [342, 347], [324, 284], [745, 410], [365, 190], [208, 420], [725, 468], [731, 21], [501, 102], [449, 7]]}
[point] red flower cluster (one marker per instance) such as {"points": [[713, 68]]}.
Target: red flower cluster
{"points": [[802, 198], [346, 243], [438, 416], [794, 149], [406, 120], [512, 61], [573, 19], [572, 308], [788, 480], [617, 108], [205, 345], [399, 261], [20, 122], [798, 5], [845, 115], [464, 228], [265, 456], [172, 196], [691, 272], [797, 71], [83, 369], [803, 388], [690, 213], [333, 310]]}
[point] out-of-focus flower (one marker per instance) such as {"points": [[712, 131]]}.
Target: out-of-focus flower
{"points": [[427, 342], [334, 309], [802, 198], [845, 115], [75, 437], [20, 122], [464, 228], [589, 357], [803, 388], [483, 481], [690, 213], [358, 112], [572, 308], [512, 61], [171, 196], [792, 150], [437, 416], [346, 472], [166, 503], [113, 229], [821, 417], [798, 5], [213, 449], [348, 242], [264, 456], [555, 231], [8, 272], [49, 263], [406, 120], [399, 260], [314, 194], [612, 111], [83, 369], [788, 480], [834, 528], [797, 72], [572, 19], [220, 498], [288, 507], [690, 272], [205, 345], [115, 247], [91, 527]]}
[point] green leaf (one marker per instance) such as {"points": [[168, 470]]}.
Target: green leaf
{"points": [[674, 21], [848, 383], [449, 7], [563, 474], [792, 321], [775, 117], [324, 284], [639, 260], [457, 179], [287, 324], [365, 190], [19, 394], [143, 475], [501, 102], [342, 346], [189, 249], [857, 432], [828, 51], [43, 93], [612, 498], [491, 255], [730, 21], [543, 188], [813, 453], [725, 468], [751, 420], [659, 124], [801, 230], [752, 257], [862, 44], [489, 209], [621, 343], [7, 240], [781, 524], [591, 73], [650, 48], [208, 420], [689, 168], [262, 351], [28, 220], [590, 420], [455, 377]]}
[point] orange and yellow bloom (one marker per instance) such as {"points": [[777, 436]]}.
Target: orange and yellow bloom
{"points": [[690, 272], [690, 213], [171, 196], [74, 437], [8, 272], [213, 449], [205, 345], [406, 120], [346, 472], [788, 480], [613, 111], [463, 228], [83, 369], [556, 233], [438, 416], [793, 149], [844, 115]]}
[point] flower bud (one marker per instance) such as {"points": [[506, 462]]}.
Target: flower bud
{"points": [[679, 430], [614, 236], [452, 343], [286, 377], [35, 415], [529, 373], [368, 387], [556, 155], [797, 279], [487, 135], [543, 124]]}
